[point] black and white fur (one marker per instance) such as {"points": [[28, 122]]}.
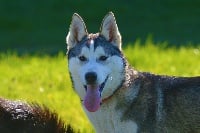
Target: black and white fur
{"points": [[21, 117], [122, 99]]}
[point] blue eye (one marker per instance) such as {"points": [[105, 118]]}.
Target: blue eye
{"points": [[82, 58], [103, 58]]}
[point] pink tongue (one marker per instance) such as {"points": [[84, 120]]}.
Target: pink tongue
{"points": [[92, 98]]}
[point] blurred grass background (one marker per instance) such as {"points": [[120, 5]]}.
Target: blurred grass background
{"points": [[41, 26], [159, 36]]}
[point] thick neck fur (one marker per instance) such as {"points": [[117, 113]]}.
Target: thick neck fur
{"points": [[138, 99]]}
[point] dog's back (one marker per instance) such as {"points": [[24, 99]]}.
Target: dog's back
{"points": [[181, 102]]}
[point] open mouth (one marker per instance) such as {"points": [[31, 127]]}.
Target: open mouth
{"points": [[101, 86], [92, 99]]}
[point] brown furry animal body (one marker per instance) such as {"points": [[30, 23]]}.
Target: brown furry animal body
{"points": [[21, 117]]}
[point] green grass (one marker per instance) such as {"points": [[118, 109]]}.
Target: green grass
{"points": [[45, 79], [35, 25]]}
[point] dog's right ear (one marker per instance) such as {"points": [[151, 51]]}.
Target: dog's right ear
{"points": [[110, 30], [77, 31]]}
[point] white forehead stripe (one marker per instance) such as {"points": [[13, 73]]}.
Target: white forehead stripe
{"points": [[91, 44], [91, 41]]}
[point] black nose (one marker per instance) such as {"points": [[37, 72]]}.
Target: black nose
{"points": [[91, 77]]}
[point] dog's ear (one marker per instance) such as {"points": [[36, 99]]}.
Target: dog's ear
{"points": [[110, 30], [77, 31]]}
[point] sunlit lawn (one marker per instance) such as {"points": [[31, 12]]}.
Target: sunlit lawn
{"points": [[45, 79]]}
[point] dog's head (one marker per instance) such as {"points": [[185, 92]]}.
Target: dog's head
{"points": [[96, 63]]}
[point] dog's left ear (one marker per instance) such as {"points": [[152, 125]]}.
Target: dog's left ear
{"points": [[110, 30]]}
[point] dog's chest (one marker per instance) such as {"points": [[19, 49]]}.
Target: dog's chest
{"points": [[108, 120]]}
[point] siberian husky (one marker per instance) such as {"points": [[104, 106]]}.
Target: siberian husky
{"points": [[120, 99]]}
